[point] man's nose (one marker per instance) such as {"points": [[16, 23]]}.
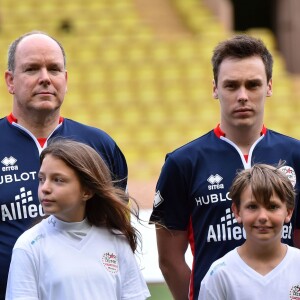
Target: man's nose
{"points": [[44, 76], [242, 95]]}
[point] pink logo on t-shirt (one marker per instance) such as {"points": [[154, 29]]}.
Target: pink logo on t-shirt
{"points": [[110, 262]]}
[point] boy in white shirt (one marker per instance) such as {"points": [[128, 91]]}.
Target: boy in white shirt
{"points": [[263, 199]]}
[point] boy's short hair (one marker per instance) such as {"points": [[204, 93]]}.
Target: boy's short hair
{"points": [[264, 180]]}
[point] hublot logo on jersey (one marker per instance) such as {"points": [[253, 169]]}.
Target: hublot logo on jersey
{"points": [[9, 178], [9, 163], [212, 198], [21, 208], [214, 181]]}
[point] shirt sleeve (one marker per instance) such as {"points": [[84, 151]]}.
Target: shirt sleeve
{"points": [[133, 285], [22, 279], [212, 286], [205, 294]]}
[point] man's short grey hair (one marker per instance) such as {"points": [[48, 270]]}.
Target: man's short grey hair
{"points": [[11, 61]]}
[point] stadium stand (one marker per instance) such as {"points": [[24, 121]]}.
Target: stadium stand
{"points": [[148, 87]]}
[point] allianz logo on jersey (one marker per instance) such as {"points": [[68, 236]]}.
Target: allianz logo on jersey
{"points": [[228, 229], [214, 181], [9, 164], [22, 208]]}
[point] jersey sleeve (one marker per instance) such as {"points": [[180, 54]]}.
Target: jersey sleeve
{"points": [[22, 279], [171, 206], [119, 168]]}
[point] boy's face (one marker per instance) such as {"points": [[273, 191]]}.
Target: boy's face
{"points": [[262, 223]]}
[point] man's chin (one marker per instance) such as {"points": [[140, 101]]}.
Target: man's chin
{"points": [[47, 106]]}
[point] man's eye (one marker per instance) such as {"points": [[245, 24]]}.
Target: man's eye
{"points": [[230, 86], [253, 85], [54, 68], [31, 69]]}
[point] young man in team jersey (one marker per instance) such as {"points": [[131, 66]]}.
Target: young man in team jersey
{"points": [[37, 79], [192, 205]]}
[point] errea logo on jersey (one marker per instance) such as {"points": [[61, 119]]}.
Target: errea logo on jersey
{"points": [[215, 180], [9, 163]]}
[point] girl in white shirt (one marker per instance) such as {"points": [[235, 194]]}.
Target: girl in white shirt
{"points": [[263, 267], [85, 248]]}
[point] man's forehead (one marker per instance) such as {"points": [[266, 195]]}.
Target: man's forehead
{"points": [[38, 42], [246, 79], [36, 37], [242, 69], [38, 46]]}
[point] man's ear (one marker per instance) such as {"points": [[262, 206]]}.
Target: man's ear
{"points": [[215, 90], [236, 213], [269, 88], [9, 79], [66, 78]]}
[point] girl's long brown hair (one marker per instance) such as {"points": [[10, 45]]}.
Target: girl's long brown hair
{"points": [[109, 205]]}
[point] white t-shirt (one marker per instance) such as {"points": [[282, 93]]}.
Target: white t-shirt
{"points": [[230, 278], [51, 261]]}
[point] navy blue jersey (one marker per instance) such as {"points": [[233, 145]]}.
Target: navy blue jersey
{"points": [[19, 157], [192, 193]]}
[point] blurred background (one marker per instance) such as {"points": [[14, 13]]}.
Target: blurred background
{"points": [[140, 70]]}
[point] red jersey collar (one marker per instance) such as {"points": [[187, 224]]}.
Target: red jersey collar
{"points": [[218, 132], [12, 119]]}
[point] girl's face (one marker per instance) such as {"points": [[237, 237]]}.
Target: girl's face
{"points": [[261, 223], [60, 191]]}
